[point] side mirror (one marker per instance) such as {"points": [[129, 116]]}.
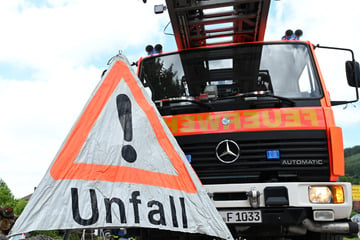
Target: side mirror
{"points": [[353, 73]]}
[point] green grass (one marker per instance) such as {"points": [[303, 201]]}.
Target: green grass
{"points": [[351, 238]]}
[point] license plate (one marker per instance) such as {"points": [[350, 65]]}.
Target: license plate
{"points": [[250, 216]]}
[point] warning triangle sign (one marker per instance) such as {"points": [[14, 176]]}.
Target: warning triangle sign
{"points": [[107, 145], [120, 166]]}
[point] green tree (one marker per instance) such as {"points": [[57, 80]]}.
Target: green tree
{"points": [[351, 151], [164, 81], [7, 199], [352, 165], [19, 207], [349, 179]]}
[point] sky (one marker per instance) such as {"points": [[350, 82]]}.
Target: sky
{"points": [[52, 54]]}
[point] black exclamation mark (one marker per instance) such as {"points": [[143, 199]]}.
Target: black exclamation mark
{"points": [[124, 111]]}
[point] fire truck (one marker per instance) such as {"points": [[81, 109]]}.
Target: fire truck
{"points": [[254, 118]]}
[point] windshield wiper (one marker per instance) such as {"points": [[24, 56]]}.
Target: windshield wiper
{"points": [[168, 101], [261, 94]]}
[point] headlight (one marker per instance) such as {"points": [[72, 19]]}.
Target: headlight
{"points": [[326, 194], [319, 194]]}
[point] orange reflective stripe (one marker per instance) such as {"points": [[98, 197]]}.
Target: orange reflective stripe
{"points": [[247, 120]]}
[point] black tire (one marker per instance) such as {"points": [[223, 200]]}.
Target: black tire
{"points": [[320, 236], [329, 236]]}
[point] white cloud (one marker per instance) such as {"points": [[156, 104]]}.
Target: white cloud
{"points": [[75, 32], [348, 115]]}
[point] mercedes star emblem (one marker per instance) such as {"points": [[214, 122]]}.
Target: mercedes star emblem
{"points": [[227, 151]]}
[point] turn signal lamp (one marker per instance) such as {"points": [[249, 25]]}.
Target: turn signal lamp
{"points": [[326, 194], [338, 194]]}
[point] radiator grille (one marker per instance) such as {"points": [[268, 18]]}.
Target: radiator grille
{"points": [[252, 165]]}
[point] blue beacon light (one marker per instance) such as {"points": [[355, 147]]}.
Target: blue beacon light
{"points": [[290, 35], [153, 50]]}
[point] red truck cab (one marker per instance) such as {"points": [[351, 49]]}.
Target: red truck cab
{"points": [[255, 122]]}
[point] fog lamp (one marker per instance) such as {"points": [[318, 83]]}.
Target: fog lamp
{"points": [[324, 215], [320, 194]]}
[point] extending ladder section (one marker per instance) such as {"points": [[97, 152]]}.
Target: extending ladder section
{"points": [[199, 23]]}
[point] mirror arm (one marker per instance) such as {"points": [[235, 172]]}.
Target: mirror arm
{"points": [[335, 103]]}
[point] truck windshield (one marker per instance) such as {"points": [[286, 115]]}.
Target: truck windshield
{"points": [[281, 69]]}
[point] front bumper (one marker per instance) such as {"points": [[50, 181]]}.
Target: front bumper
{"points": [[290, 210], [297, 193]]}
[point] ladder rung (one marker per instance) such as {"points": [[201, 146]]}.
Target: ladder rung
{"points": [[196, 21]]}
